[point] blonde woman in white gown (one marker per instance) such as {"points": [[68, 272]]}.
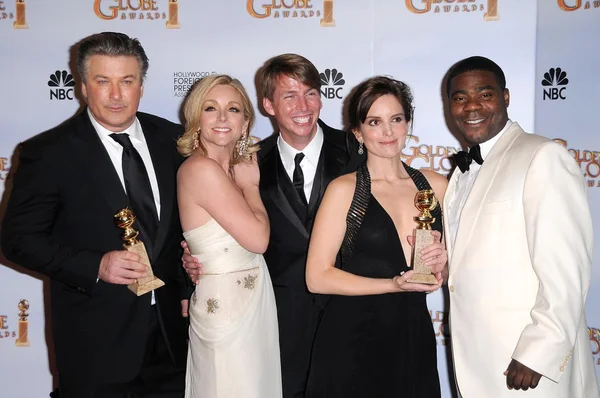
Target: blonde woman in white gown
{"points": [[234, 342]]}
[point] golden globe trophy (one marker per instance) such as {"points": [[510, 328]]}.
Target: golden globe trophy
{"points": [[173, 20], [327, 19], [492, 11], [23, 325], [20, 22], [425, 201], [124, 219]]}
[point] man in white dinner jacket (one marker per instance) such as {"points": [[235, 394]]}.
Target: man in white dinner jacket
{"points": [[519, 236]]}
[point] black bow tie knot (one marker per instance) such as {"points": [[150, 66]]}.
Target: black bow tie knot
{"points": [[464, 159]]}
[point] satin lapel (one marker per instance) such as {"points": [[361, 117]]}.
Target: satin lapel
{"points": [[332, 162], [470, 213], [98, 165], [161, 150], [269, 171], [450, 193]]}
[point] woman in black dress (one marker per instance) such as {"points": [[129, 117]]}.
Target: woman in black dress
{"points": [[376, 338]]}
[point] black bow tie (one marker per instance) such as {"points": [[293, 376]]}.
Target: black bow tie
{"points": [[464, 159]]}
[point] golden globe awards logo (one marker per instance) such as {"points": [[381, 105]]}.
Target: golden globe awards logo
{"points": [[21, 335], [148, 10], [574, 5], [595, 343], [588, 160], [16, 14], [428, 157], [292, 9], [440, 326], [489, 8], [4, 168]]}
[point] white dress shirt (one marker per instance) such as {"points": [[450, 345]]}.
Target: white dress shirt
{"points": [[115, 152], [308, 164], [465, 181]]}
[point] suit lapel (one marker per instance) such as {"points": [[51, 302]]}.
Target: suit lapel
{"points": [[98, 164], [270, 185], [332, 162], [162, 160], [470, 213], [448, 198]]}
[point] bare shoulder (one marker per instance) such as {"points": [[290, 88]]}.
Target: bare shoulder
{"points": [[200, 169], [343, 185], [437, 181]]}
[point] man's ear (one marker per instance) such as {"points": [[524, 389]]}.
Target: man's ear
{"points": [[268, 105]]}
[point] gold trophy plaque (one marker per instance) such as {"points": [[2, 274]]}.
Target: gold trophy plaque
{"points": [[327, 19], [20, 22], [124, 219], [425, 201], [173, 20], [23, 324]]}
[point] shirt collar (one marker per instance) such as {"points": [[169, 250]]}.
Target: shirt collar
{"points": [[486, 147], [134, 131], [311, 152]]}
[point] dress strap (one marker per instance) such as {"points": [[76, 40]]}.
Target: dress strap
{"points": [[422, 184], [357, 211]]}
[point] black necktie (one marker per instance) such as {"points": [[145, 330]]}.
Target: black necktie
{"points": [[299, 177], [137, 185], [464, 159]]}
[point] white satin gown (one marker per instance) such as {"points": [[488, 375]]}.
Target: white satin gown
{"points": [[234, 338]]}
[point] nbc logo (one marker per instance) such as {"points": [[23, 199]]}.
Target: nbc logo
{"points": [[553, 79], [595, 342], [332, 83], [61, 85]]}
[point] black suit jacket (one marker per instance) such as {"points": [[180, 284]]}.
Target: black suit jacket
{"points": [[298, 310], [59, 222]]}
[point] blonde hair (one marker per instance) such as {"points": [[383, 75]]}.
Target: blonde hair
{"points": [[190, 141]]}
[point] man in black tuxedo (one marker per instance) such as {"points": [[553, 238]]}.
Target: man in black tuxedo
{"points": [[70, 182], [296, 164]]}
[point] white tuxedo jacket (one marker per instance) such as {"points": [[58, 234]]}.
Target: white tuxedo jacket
{"points": [[519, 272]]}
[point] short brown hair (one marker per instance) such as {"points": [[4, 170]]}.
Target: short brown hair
{"points": [[366, 93], [291, 65]]}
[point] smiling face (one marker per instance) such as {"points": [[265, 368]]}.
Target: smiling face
{"points": [[113, 89], [222, 120], [478, 105], [296, 109], [385, 128]]}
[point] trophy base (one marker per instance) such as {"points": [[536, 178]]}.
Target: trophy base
{"points": [[326, 24], [422, 273], [173, 26], [22, 343], [142, 288], [20, 26], [426, 279], [488, 18]]}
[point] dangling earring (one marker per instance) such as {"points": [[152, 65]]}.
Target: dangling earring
{"points": [[195, 139], [360, 148], [243, 144]]}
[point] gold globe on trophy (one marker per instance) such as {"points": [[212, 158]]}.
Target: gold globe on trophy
{"points": [[124, 219], [425, 202], [23, 324]]}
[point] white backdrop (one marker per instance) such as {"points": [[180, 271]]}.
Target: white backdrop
{"points": [[413, 40]]}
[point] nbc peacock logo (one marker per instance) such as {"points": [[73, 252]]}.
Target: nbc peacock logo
{"points": [[556, 81], [332, 83], [61, 85]]}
